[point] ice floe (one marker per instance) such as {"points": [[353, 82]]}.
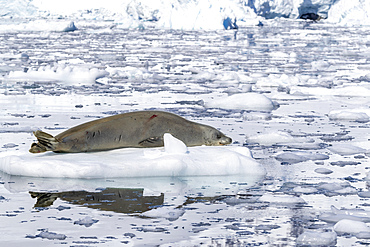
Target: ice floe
{"points": [[281, 199], [71, 75], [346, 149], [175, 159], [346, 226], [357, 115], [243, 101], [169, 213], [276, 137], [355, 91], [87, 221], [317, 238], [299, 156], [350, 214]]}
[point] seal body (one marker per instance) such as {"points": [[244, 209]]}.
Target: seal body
{"points": [[133, 129]]}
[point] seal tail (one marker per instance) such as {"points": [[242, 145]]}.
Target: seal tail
{"points": [[46, 142]]}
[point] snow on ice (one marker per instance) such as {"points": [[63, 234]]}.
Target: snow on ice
{"points": [[175, 160]]}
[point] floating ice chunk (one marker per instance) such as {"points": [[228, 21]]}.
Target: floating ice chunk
{"points": [[351, 227], [316, 238], [346, 149], [173, 145], [281, 199], [229, 76], [333, 186], [347, 115], [204, 76], [353, 212], [323, 171], [70, 28], [306, 146], [334, 218], [364, 194], [296, 157], [169, 213], [10, 145], [130, 72], [243, 101], [304, 190], [49, 235], [279, 55], [332, 189], [87, 221], [343, 163], [355, 91], [254, 116], [363, 235], [320, 65], [349, 214], [278, 137], [62, 74]]}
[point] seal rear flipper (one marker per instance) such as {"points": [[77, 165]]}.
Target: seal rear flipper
{"points": [[155, 141], [46, 142]]}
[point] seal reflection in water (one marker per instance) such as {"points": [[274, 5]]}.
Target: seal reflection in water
{"points": [[119, 200], [134, 129]]}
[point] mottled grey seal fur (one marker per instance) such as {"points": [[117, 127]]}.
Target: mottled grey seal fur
{"points": [[133, 129]]}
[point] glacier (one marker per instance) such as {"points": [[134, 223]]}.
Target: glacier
{"points": [[200, 15]]}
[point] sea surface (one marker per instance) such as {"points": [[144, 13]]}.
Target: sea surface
{"points": [[311, 71]]}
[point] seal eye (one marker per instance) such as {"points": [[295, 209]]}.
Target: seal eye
{"points": [[218, 136]]}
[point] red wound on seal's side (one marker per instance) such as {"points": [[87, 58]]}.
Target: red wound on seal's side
{"points": [[154, 116]]}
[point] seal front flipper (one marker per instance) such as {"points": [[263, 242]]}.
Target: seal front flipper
{"points": [[154, 141], [46, 142]]}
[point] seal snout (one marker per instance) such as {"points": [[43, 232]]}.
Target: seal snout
{"points": [[225, 140]]}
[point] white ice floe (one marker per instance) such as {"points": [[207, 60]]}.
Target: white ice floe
{"points": [[281, 199], [61, 74], [87, 221], [350, 214], [169, 213], [276, 137], [340, 188], [299, 156], [351, 227], [346, 149], [49, 235], [134, 162], [243, 101], [317, 238], [358, 115], [132, 73], [320, 65], [355, 91]]}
